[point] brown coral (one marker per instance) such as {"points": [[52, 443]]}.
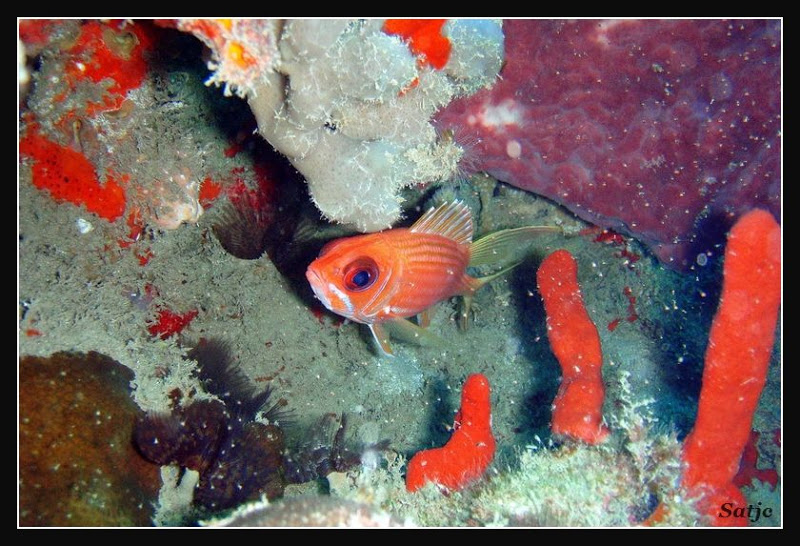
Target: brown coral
{"points": [[77, 466]]}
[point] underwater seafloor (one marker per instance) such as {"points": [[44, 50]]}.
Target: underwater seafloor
{"points": [[82, 292]]}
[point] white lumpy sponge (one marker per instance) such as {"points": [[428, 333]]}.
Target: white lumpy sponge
{"points": [[350, 106]]}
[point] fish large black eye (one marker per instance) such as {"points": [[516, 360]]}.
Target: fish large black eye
{"points": [[360, 274]]}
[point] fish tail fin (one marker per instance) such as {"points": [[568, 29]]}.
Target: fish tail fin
{"points": [[506, 245], [478, 282]]}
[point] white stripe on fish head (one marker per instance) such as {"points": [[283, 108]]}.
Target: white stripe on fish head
{"points": [[344, 299], [330, 296]]}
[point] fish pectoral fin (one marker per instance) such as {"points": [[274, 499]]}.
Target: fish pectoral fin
{"points": [[381, 338], [407, 331], [401, 329]]}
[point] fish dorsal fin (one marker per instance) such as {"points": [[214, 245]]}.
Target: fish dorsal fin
{"points": [[452, 220]]}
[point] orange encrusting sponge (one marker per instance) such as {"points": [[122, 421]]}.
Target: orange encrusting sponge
{"points": [[115, 55], [68, 176], [424, 38]]}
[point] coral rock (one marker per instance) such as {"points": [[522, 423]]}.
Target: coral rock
{"points": [[309, 512], [350, 105], [77, 465]]}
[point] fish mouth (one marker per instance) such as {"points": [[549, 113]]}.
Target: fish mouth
{"points": [[331, 297], [317, 286], [313, 277]]}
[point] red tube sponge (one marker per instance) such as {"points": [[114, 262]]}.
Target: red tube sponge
{"points": [[470, 450], [577, 408], [741, 339]]}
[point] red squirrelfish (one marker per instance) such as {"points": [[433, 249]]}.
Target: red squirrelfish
{"points": [[382, 279]]}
